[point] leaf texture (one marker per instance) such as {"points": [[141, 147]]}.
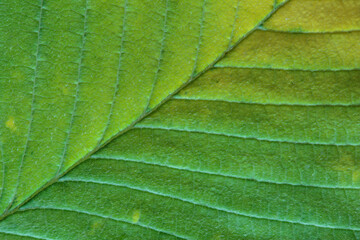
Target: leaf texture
{"points": [[263, 145], [317, 16], [77, 73]]}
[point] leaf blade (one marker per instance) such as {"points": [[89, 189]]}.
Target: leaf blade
{"points": [[92, 52], [179, 169]]}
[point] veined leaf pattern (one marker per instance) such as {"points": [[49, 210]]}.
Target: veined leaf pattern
{"points": [[231, 120]]}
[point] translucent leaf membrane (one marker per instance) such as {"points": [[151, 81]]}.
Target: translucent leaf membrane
{"points": [[317, 16], [76, 73]]}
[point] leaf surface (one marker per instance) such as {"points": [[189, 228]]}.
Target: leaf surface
{"points": [[77, 73], [263, 145]]}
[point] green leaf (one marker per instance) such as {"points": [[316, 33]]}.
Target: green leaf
{"points": [[78, 73], [197, 120]]}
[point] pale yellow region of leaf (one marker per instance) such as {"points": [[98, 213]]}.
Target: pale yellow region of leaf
{"points": [[316, 16], [17, 75], [283, 50], [96, 226], [65, 89], [348, 164], [218, 237], [212, 39], [10, 124], [278, 2], [356, 175], [249, 14], [136, 216]]}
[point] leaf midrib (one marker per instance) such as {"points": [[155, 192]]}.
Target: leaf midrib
{"points": [[13, 209]]}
